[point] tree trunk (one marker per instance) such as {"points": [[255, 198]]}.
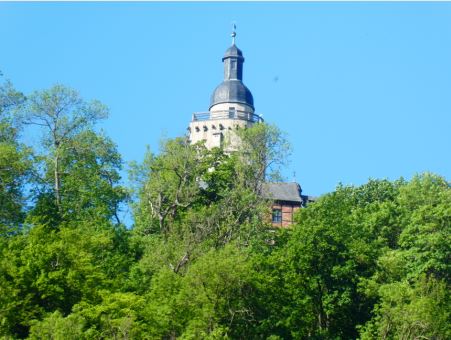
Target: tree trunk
{"points": [[57, 182]]}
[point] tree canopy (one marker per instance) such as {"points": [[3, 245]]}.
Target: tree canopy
{"points": [[201, 260]]}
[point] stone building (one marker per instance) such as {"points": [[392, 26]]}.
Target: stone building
{"points": [[232, 108]]}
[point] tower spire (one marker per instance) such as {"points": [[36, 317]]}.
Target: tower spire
{"points": [[233, 34]]}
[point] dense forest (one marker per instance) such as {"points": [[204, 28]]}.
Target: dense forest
{"points": [[201, 261]]}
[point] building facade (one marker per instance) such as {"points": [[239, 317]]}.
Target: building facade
{"points": [[286, 199]]}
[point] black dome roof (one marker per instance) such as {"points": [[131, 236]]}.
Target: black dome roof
{"points": [[232, 91]]}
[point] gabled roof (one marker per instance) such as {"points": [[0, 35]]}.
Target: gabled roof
{"points": [[279, 191]]}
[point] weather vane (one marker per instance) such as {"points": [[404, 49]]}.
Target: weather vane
{"points": [[233, 33]]}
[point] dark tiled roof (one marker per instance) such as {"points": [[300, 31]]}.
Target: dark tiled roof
{"points": [[232, 91], [290, 192]]}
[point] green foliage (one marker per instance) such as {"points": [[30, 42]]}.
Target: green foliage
{"points": [[47, 270], [415, 310], [15, 162], [412, 281], [15, 165], [192, 200], [91, 164], [201, 262], [118, 315], [371, 260], [215, 292], [209, 301], [169, 185], [263, 151], [57, 327], [62, 114], [333, 246], [10, 98], [426, 239], [66, 250]]}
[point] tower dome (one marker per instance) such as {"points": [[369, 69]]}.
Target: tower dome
{"points": [[232, 89]]}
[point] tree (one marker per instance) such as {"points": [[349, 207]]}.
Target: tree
{"points": [[62, 113], [55, 326], [263, 151], [169, 183], [69, 250], [90, 166], [15, 162], [15, 166], [48, 269], [334, 245], [419, 309], [10, 98], [412, 280], [210, 301], [192, 199]]}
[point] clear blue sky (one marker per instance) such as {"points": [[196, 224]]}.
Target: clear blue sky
{"points": [[361, 89]]}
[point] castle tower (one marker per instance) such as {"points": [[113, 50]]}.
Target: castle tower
{"points": [[231, 106]]}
